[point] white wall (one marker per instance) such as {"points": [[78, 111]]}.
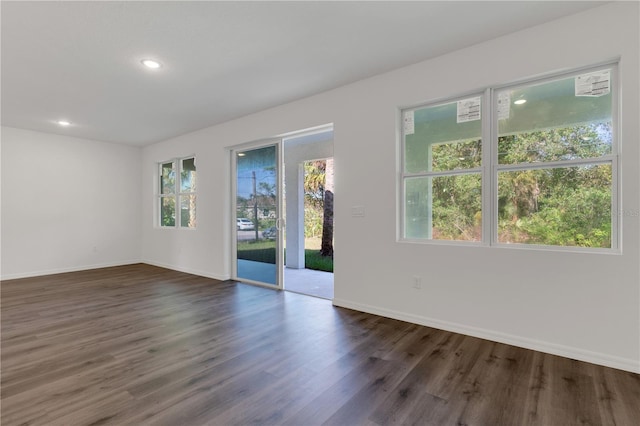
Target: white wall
{"points": [[67, 204], [584, 306]]}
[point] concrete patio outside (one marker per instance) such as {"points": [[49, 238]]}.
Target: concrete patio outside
{"points": [[305, 281]]}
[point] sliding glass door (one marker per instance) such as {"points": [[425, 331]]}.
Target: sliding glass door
{"points": [[258, 256]]}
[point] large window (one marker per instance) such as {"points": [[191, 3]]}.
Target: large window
{"points": [[177, 193], [530, 164]]}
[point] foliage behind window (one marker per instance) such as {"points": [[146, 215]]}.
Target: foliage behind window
{"points": [[548, 177]]}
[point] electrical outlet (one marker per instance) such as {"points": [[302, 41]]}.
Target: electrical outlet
{"points": [[417, 282]]}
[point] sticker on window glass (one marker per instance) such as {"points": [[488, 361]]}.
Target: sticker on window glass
{"points": [[409, 127], [468, 110], [504, 105], [593, 84]]}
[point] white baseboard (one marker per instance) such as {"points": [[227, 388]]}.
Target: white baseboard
{"points": [[65, 270], [536, 345], [188, 270]]}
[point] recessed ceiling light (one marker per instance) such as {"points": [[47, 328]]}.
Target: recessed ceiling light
{"points": [[241, 154], [150, 63], [520, 101], [64, 123]]}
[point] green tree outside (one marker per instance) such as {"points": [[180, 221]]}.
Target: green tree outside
{"points": [[563, 206]]}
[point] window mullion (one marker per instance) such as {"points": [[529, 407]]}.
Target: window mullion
{"points": [[555, 164], [454, 172], [489, 192], [178, 182]]}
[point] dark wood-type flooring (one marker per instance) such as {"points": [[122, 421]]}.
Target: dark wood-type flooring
{"points": [[144, 345]]}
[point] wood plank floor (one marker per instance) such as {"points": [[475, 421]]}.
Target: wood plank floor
{"points": [[144, 345]]}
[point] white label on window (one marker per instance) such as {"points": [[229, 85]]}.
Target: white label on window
{"points": [[468, 110], [409, 127], [593, 84], [504, 105]]}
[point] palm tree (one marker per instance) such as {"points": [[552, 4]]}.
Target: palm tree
{"points": [[326, 248]]}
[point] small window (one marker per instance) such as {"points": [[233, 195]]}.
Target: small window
{"points": [[177, 195], [167, 194], [188, 193]]}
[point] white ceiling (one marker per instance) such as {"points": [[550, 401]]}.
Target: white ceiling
{"points": [[221, 60]]}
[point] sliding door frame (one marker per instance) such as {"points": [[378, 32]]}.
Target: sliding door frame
{"points": [[233, 155]]}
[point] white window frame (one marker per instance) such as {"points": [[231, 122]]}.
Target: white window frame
{"points": [[490, 167], [177, 195]]}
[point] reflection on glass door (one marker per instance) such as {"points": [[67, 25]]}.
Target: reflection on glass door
{"points": [[256, 212]]}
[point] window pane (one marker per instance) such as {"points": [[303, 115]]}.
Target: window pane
{"points": [[568, 143], [188, 211], [555, 121], [167, 178], [443, 137], [559, 206], [457, 155], [167, 211], [188, 175], [444, 207]]}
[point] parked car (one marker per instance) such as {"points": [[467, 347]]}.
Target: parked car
{"points": [[270, 233], [244, 224]]}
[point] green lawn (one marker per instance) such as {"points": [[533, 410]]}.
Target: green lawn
{"points": [[265, 251], [313, 260]]}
